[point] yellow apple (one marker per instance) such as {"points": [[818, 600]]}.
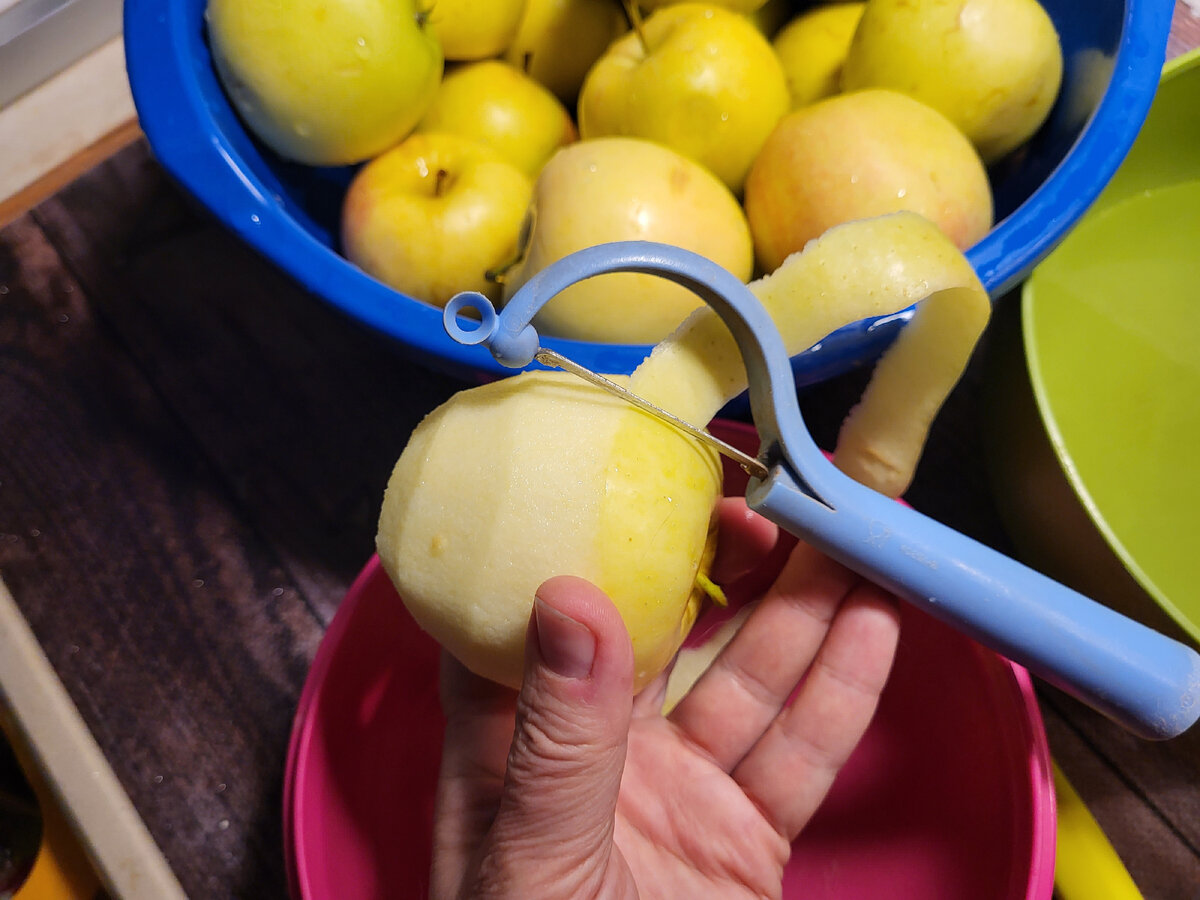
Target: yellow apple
{"points": [[624, 189], [738, 6], [498, 105], [698, 78], [813, 47], [435, 215], [863, 154], [325, 82], [559, 40], [542, 474], [474, 29], [992, 67], [771, 16]]}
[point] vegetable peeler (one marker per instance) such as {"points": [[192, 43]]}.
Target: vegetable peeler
{"points": [[1141, 679]]}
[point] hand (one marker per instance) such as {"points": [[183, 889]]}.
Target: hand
{"points": [[576, 789]]}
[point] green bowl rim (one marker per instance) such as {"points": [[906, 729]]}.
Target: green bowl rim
{"points": [[1173, 68]]}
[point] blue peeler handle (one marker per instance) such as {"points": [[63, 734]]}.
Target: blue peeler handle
{"points": [[1143, 680]]}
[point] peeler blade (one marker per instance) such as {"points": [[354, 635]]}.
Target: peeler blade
{"points": [[752, 467]]}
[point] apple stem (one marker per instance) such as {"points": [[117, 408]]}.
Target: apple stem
{"points": [[439, 182], [499, 275], [634, 15]]}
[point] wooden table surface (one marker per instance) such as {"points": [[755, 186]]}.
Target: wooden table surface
{"points": [[192, 455]]}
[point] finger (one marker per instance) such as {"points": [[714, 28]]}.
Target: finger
{"points": [[790, 770], [479, 727], [469, 700], [649, 702], [745, 539], [693, 662], [572, 725], [479, 721], [742, 692]]}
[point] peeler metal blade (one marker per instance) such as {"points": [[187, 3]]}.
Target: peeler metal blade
{"points": [[749, 464]]}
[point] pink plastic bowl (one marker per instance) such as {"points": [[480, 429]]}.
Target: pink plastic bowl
{"points": [[948, 796]]}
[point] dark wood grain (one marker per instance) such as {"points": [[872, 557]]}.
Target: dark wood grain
{"points": [[193, 457]]}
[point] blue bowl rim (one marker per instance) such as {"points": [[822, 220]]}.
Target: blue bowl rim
{"points": [[184, 138]]}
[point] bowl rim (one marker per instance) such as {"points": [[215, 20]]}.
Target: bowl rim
{"points": [[1010, 681], [186, 141], [1174, 68]]}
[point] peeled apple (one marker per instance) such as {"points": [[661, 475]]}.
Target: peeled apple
{"points": [[541, 474], [514, 481]]}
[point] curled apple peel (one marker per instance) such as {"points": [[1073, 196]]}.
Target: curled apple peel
{"points": [[541, 474], [863, 269]]}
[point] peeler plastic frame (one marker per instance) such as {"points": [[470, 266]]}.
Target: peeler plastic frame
{"points": [[1143, 680]]}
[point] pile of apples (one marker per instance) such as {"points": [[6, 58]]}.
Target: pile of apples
{"points": [[497, 136], [831, 157]]}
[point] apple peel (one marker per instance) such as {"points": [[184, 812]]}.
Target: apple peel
{"points": [[881, 439], [862, 269]]}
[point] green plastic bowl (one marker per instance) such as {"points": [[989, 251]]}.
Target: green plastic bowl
{"points": [[1094, 394]]}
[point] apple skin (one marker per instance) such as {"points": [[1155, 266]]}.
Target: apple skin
{"points": [[771, 16], [992, 67], [737, 6], [863, 154], [623, 189], [434, 215], [813, 46], [331, 82], [699, 79], [498, 105], [558, 41], [474, 29]]}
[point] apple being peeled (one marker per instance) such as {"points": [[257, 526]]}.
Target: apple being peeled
{"points": [[626, 189], [699, 79], [558, 41], [325, 82], [435, 215], [992, 67], [813, 48], [474, 29], [863, 154], [498, 105], [542, 474]]}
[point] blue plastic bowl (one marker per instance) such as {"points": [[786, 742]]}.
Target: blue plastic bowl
{"points": [[1113, 52]]}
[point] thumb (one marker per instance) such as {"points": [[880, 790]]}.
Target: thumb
{"points": [[572, 725]]}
